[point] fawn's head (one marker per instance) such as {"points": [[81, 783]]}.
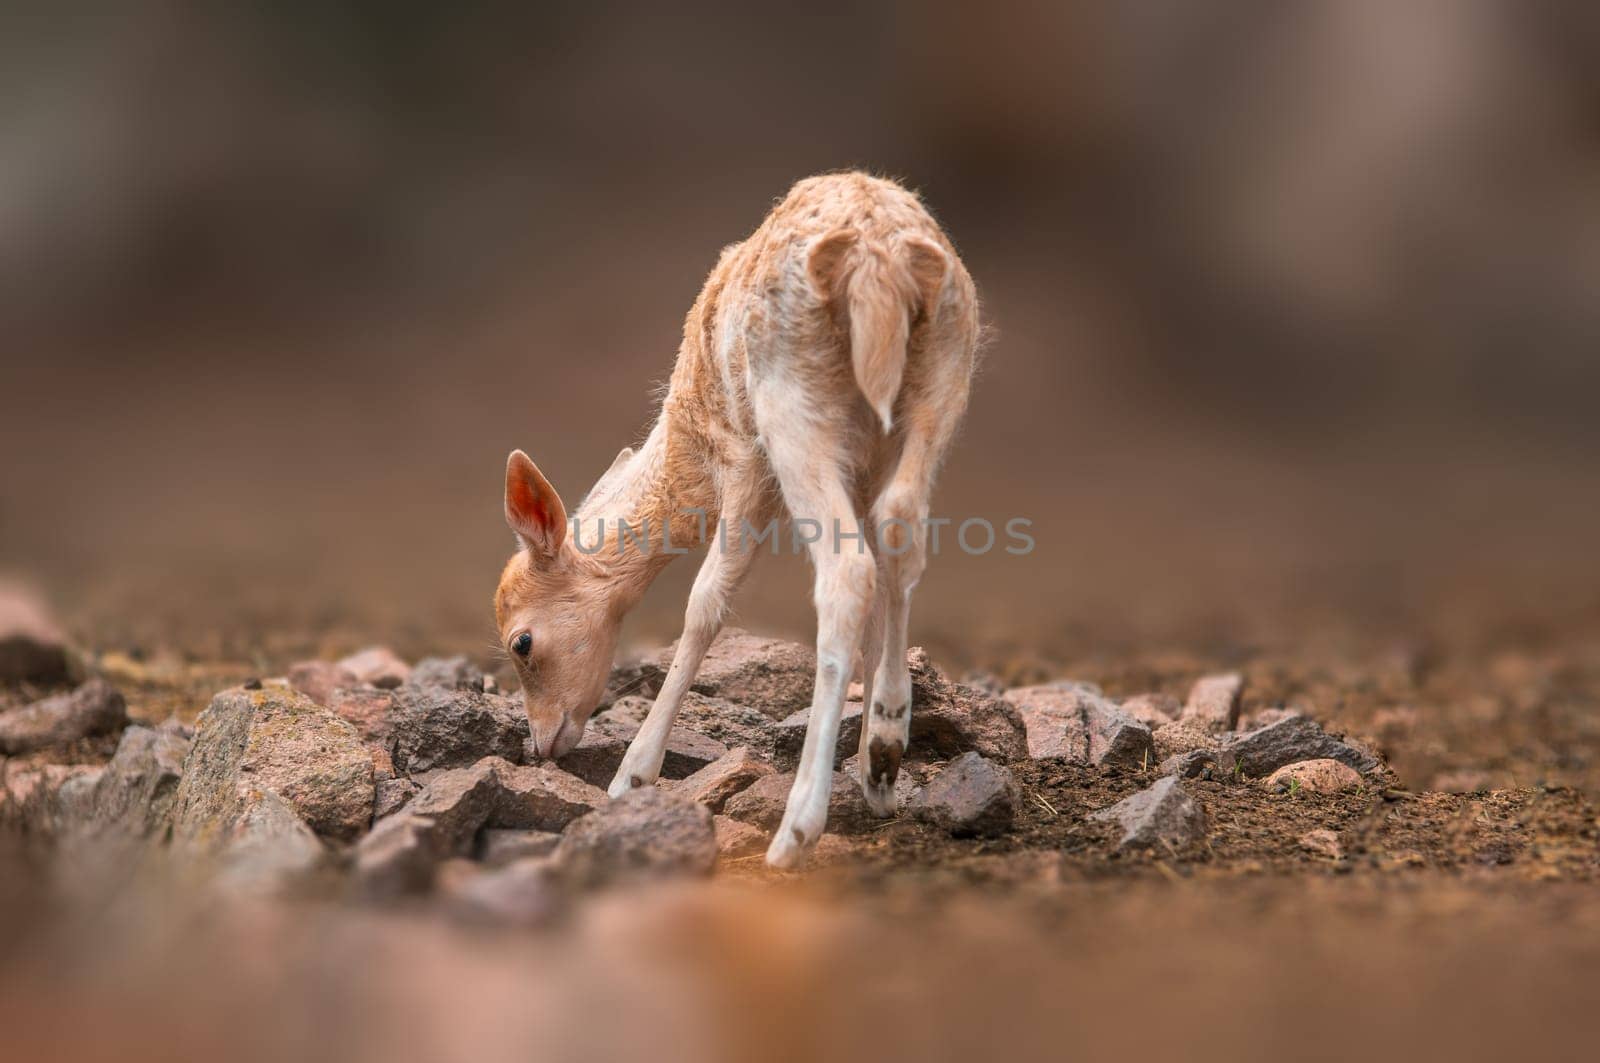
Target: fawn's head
{"points": [[555, 615]]}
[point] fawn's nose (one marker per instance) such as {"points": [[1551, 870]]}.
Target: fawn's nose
{"points": [[552, 741]]}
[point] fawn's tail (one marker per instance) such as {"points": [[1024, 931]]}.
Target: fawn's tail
{"points": [[883, 288]]}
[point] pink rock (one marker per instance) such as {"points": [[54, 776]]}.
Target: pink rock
{"points": [[1214, 701], [378, 666], [737, 839], [1322, 776], [713, 784], [1075, 723], [1152, 710], [370, 711], [318, 680]]}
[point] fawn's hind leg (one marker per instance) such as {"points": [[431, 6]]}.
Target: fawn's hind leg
{"points": [[899, 519], [815, 484]]}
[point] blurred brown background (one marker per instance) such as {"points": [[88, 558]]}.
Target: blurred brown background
{"points": [[1295, 305]]}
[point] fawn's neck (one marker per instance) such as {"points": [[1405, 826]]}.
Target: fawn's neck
{"points": [[656, 506]]}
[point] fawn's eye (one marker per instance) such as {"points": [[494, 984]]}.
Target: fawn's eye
{"points": [[522, 644]]}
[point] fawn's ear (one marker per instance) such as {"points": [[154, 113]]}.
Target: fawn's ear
{"points": [[533, 509], [600, 485], [622, 459], [825, 263]]}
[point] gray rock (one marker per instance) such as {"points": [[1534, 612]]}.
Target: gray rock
{"points": [[948, 719], [378, 666], [136, 794], [447, 673], [1195, 764], [730, 773], [763, 803], [728, 722], [318, 680], [436, 726], [789, 736], [971, 796], [1265, 750], [401, 853], [646, 833], [1077, 724], [499, 846], [458, 802], [94, 708], [599, 752], [1163, 815], [1214, 702], [390, 796], [275, 740], [771, 675], [33, 648], [540, 797]]}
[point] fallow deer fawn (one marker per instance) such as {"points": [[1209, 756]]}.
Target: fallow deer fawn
{"points": [[824, 369]]}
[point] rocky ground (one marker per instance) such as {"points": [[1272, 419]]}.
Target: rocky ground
{"points": [[394, 789]]}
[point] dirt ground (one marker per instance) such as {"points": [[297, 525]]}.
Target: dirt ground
{"points": [[1461, 919]]}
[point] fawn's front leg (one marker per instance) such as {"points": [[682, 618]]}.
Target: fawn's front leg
{"points": [[723, 569]]}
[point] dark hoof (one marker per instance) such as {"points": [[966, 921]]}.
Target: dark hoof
{"points": [[883, 761]]}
